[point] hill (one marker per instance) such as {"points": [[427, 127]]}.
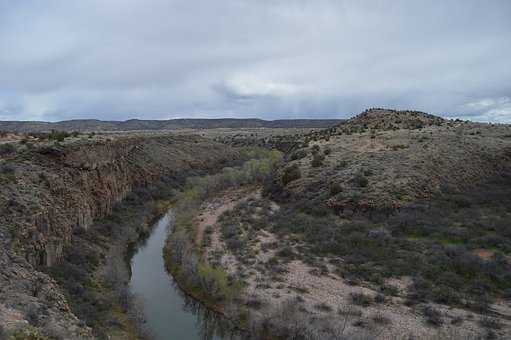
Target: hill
{"points": [[381, 219], [385, 119]]}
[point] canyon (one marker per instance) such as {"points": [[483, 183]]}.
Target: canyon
{"points": [[393, 223], [50, 191]]}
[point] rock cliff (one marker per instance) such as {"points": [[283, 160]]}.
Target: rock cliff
{"points": [[49, 191]]}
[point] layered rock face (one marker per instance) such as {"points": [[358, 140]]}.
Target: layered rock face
{"points": [[49, 191]]}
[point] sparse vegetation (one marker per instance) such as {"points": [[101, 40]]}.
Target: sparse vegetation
{"points": [[298, 154], [361, 299], [58, 136], [210, 283], [317, 160], [291, 173], [7, 149], [361, 180], [433, 316]]}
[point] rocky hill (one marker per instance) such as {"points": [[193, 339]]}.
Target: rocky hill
{"points": [[171, 124], [392, 225], [50, 191], [403, 155], [385, 119]]}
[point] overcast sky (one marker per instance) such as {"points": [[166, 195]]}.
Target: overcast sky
{"points": [[122, 59]]}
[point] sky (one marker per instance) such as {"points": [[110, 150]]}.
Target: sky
{"points": [[270, 59]]}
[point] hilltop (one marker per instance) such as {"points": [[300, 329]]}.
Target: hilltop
{"points": [[405, 155], [394, 222], [386, 119]]}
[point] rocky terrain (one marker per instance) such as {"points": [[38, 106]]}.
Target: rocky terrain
{"points": [[50, 191], [394, 224]]}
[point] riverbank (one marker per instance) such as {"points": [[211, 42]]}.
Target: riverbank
{"points": [[95, 272], [211, 285]]}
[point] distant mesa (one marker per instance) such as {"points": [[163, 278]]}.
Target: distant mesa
{"points": [[83, 125]]}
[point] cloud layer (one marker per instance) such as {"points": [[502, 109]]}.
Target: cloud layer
{"points": [[122, 59]]}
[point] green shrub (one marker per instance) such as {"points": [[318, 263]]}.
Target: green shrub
{"points": [[7, 149], [298, 154], [389, 290], [361, 180], [58, 136], [291, 173], [335, 188]]}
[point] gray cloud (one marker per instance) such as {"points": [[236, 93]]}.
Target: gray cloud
{"points": [[269, 59]]}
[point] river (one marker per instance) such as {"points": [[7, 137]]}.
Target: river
{"points": [[169, 313]]}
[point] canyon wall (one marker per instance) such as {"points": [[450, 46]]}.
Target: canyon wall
{"points": [[50, 191]]}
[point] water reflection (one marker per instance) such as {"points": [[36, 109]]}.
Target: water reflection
{"points": [[169, 312]]}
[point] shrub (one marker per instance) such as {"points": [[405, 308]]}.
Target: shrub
{"points": [[327, 151], [317, 160], [433, 316], [58, 136], [335, 188], [490, 323], [380, 298], [380, 318], [389, 290], [341, 164], [7, 169], [6, 149], [323, 307], [291, 173], [445, 295], [361, 180], [286, 252], [361, 299], [298, 154]]}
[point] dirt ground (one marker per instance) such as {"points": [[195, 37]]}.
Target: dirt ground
{"points": [[321, 299]]}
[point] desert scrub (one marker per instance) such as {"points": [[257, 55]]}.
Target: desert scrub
{"points": [[298, 154], [26, 333], [204, 281], [317, 160], [7, 149], [447, 232], [291, 173]]}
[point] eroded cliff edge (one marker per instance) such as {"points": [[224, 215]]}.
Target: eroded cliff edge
{"points": [[49, 191]]}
